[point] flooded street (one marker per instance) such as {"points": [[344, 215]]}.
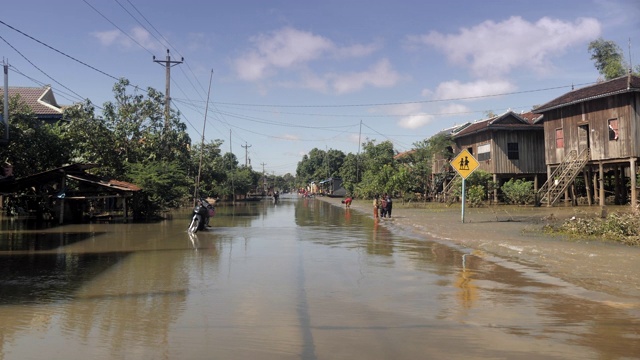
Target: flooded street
{"points": [[300, 279]]}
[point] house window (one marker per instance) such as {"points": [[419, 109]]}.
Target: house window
{"points": [[470, 150], [613, 129], [559, 138], [484, 152], [512, 151]]}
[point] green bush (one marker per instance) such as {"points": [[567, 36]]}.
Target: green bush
{"points": [[518, 192], [476, 195]]}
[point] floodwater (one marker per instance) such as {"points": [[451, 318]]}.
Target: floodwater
{"points": [[300, 279]]}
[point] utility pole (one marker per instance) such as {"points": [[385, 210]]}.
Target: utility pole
{"points": [[246, 157], [6, 102], [168, 64], [264, 179]]}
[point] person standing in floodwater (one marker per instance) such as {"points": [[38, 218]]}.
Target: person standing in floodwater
{"points": [[383, 206], [376, 205], [389, 205]]}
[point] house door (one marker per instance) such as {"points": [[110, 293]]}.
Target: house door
{"points": [[583, 138]]}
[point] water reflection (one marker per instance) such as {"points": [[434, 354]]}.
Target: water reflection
{"points": [[296, 279]]}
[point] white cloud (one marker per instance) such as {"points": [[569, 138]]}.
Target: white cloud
{"points": [[292, 49], [454, 110], [379, 75], [412, 115], [138, 36], [354, 138], [415, 121], [290, 137], [358, 50], [496, 48], [280, 49], [457, 90]]}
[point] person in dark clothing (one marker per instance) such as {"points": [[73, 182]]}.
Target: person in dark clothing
{"points": [[389, 205], [383, 206]]}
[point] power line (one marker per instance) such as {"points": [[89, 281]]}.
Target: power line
{"points": [[58, 51], [403, 103], [42, 71], [117, 27]]}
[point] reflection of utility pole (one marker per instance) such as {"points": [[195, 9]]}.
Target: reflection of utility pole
{"points": [[167, 102], [246, 156], [358, 156], [264, 179], [5, 118]]}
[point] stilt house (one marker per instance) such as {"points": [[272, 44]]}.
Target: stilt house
{"points": [[508, 146], [441, 173], [593, 131]]}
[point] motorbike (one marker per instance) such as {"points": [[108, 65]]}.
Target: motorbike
{"points": [[200, 216]]}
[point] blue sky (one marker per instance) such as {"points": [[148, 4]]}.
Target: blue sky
{"points": [[290, 76]]}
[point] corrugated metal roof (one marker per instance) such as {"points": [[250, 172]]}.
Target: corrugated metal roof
{"points": [[524, 121], [623, 84]]}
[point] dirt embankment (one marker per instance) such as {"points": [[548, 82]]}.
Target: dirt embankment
{"points": [[515, 233]]}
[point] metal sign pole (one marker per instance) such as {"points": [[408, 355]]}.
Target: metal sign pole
{"points": [[463, 198]]}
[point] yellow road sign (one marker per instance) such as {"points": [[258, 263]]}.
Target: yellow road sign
{"points": [[464, 163]]}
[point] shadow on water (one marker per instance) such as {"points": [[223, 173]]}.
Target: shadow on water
{"points": [[41, 278], [34, 270], [39, 241]]}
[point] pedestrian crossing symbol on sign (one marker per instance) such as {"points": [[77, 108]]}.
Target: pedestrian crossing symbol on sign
{"points": [[464, 163]]}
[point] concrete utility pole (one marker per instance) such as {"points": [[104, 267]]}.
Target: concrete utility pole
{"points": [[168, 64], [264, 179], [246, 156]]}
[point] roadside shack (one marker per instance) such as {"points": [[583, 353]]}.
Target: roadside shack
{"points": [[68, 194]]}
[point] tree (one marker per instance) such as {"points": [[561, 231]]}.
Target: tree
{"points": [[164, 185], [154, 157], [349, 172], [378, 165], [312, 167], [608, 58], [138, 127], [213, 170], [33, 146], [375, 156], [334, 161], [89, 140]]}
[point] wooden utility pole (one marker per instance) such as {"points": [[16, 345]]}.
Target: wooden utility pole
{"points": [[204, 124], [246, 156], [168, 64]]}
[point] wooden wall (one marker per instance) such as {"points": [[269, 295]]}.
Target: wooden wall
{"points": [[594, 116], [530, 151]]}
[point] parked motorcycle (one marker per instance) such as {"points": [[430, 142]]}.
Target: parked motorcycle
{"points": [[200, 216]]}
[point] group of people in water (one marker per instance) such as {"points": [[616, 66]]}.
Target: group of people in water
{"points": [[382, 206]]}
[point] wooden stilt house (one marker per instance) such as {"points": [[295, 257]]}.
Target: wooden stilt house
{"points": [[508, 146], [442, 174], [593, 131]]}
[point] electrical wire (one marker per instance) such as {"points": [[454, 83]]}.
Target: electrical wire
{"points": [[42, 71]]}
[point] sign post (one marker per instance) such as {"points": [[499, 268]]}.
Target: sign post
{"points": [[464, 164]]}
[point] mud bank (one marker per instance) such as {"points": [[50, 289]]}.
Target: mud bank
{"points": [[515, 234]]}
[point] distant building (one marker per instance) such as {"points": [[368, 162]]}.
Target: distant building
{"points": [[41, 101]]}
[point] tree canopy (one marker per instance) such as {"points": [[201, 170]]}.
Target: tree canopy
{"points": [[608, 58]]}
